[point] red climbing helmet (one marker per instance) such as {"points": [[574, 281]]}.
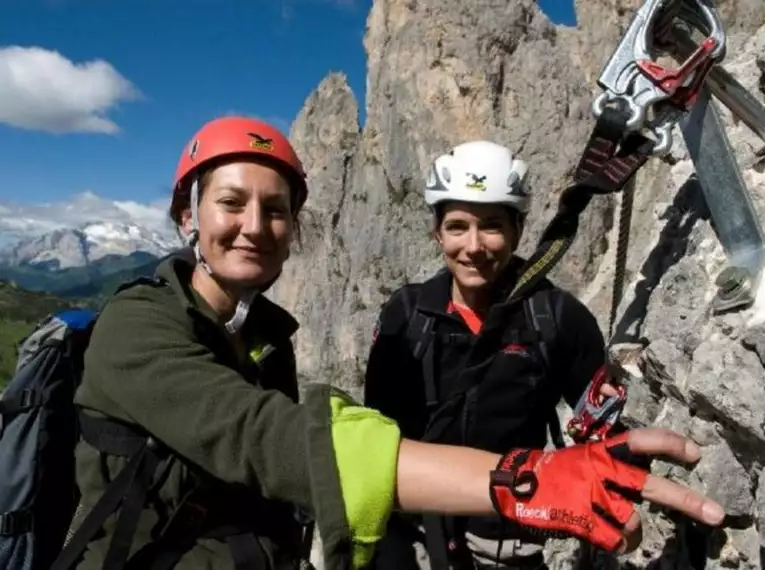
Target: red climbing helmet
{"points": [[238, 135]]}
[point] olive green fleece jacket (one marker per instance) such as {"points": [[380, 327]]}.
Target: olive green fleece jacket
{"points": [[159, 358]]}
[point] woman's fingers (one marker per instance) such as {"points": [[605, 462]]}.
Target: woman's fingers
{"points": [[683, 499], [660, 441]]}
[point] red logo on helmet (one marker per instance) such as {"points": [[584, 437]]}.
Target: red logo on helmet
{"points": [[261, 143]]}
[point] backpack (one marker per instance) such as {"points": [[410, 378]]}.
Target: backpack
{"points": [[40, 426], [39, 429], [444, 536], [38, 432]]}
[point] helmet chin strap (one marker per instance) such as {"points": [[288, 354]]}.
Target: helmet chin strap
{"points": [[192, 240]]}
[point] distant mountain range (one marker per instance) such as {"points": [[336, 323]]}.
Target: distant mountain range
{"points": [[20, 222], [78, 252], [79, 247], [72, 248]]}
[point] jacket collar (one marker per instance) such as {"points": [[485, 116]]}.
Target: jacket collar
{"points": [[264, 315]]}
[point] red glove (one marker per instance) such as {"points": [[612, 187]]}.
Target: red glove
{"points": [[578, 491]]}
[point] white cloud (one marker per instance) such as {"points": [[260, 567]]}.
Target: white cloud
{"points": [[23, 221], [42, 90]]}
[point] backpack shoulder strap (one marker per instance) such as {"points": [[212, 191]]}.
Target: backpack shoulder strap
{"points": [[419, 326], [540, 313], [420, 334], [126, 493], [542, 316], [154, 281]]}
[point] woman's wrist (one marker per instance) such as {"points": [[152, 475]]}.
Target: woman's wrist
{"points": [[444, 479]]}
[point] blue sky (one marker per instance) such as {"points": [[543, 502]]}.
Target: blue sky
{"points": [[169, 66]]}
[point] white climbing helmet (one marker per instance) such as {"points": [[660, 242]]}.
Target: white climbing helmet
{"points": [[478, 171]]}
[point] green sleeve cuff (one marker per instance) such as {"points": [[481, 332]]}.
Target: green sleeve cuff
{"points": [[366, 447]]}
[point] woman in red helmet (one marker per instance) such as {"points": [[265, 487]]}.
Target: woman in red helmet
{"points": [[197, 454]]}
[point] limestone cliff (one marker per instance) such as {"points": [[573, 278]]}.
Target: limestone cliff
{"points": [[441, 72]]}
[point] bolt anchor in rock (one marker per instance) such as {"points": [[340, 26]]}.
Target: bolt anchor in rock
{"points": [[734, 289]]}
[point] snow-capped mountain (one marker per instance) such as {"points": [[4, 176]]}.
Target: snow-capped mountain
{"points": [[66, 248], [82, 231]]}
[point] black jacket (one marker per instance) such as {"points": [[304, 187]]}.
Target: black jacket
{"points": [[512, 396], [499, 372]]}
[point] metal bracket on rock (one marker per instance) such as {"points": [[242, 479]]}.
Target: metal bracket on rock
{"points": [[632, 78], [719, 174], [730, 205]]}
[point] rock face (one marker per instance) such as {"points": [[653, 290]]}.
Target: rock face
{"points": [[444, 72]]}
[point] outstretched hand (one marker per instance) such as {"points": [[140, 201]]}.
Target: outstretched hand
{"points": [[589, 490]]}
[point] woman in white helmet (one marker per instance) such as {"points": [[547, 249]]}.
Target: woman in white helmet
{"points": [[453, 363]]}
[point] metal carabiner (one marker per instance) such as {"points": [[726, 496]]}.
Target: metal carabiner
{"points": [[682, 84], [621, 74], [632, 78], [592, 420]]}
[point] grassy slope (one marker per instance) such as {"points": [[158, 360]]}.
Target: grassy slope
{"points": [[20, 310]]}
